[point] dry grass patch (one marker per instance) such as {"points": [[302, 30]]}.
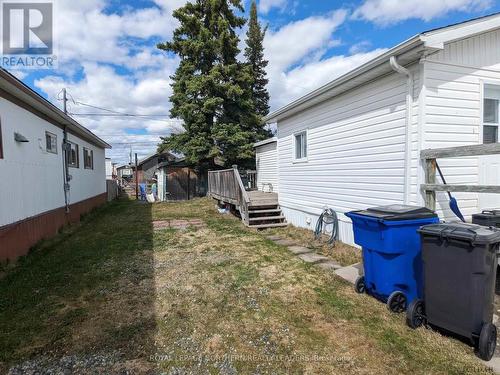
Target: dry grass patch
{"points": [[215, 299]]}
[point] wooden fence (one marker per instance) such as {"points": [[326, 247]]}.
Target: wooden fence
{"points": [[431, 186], [112, 189]]}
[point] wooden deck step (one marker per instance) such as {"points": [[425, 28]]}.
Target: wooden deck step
{"points": [[270, 211], [253, 206], [271, 225], [266, 218]]}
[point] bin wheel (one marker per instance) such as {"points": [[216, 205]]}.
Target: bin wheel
{"points": [[487, 341], [396, 302], [359, 285], [415, 315]]}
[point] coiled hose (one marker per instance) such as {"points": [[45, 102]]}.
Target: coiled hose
{"points": [[327, 217]]}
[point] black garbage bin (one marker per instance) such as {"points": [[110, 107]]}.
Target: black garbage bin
{"points": [[459, 264], [489, 218]]}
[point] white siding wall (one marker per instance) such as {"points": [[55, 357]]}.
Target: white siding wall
{"points": [[453, 109], [267, 166], [31, 179], [356, 153]]}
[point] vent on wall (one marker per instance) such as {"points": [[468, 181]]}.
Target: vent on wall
{"points": [[20, 138]]}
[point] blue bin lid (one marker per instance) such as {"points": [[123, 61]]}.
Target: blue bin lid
{"points": [[397, 212]]}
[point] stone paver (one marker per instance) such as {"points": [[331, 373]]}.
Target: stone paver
{"points": [[313, 258], [177, 224], [329, 266], [297, 250], [274, 238], [350, 273], [494, 364], [284, 242]]}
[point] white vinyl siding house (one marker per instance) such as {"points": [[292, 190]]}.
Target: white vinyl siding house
{"points": [[33, 203], [366, 129], [266, 154]]}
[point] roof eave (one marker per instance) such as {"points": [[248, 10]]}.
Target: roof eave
{"points": [[265, 142], [51, 110]]}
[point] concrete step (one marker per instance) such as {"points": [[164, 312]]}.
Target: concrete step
{"points": [[273, 225], [266, 218]]}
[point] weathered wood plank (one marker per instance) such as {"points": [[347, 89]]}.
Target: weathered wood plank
{"points": [[430, 179], [461, 188], [453, 152]]}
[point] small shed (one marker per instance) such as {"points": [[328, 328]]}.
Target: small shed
{"points": [[266, 154], [177, 181]]}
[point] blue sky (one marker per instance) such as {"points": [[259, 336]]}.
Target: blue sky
{"points": [[107, 55]]}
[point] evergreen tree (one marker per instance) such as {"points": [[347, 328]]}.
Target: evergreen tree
{"points": [[210, 86], [254, 53]]}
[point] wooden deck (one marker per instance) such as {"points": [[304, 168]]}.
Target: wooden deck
{"points": [[257, 209]]}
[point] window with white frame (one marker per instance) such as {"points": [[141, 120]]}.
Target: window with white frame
{"points": [[72, 155], [301, 146], [51, 142], [88, 158], [491, 113]]}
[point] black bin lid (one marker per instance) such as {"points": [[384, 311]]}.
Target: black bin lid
{"points": [[489, 214], [396, 212], [463, 231]]}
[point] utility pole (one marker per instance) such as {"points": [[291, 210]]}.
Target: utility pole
{"points": [[65, 145], [65, 100], [136, 179]]}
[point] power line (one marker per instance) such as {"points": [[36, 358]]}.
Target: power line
{"points": [[117, 112], [121, 114], [127, 116]]}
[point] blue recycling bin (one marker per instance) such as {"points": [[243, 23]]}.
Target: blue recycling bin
{"points": [[392, 257]]}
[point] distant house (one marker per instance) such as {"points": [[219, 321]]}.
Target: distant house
{"points": [[355, 142], [148, 166], [52, 168], [124, 172]]}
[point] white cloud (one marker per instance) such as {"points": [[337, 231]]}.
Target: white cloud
{"points": [[266, 5], [306, 78], [385, 12], [19, 74], [296, 40], [362, 46], [294, 48]]}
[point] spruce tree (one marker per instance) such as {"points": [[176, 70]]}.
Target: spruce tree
{"points": [[210, 86], [254, 53]]}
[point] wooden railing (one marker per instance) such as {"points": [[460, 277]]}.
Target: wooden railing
{"points": [[431, 186], [227, 186]]}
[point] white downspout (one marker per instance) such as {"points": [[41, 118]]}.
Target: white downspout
{"points": [[409, 107]]}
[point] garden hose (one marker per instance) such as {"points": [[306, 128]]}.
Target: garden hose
{"points": [[327, 217]]}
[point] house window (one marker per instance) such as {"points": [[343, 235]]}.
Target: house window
{"points": [[301, 146], [51, 142], [88, 158], [491, 113], [73, 157]]}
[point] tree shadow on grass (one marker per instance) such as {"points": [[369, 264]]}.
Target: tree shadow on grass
{"points": [[84, 301]]}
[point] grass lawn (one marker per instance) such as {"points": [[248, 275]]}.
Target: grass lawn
{"points": [[113, 295]]}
